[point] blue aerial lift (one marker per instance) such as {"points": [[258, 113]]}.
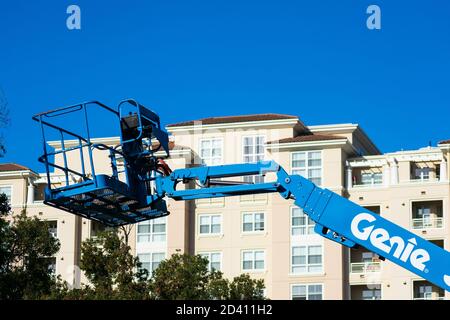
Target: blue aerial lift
{"points": [[138, 192]]}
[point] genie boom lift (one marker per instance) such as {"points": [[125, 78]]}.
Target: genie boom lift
{"points": [[138, 191]]}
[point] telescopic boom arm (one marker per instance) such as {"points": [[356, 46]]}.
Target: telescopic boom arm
{"points": [[336, 218]]}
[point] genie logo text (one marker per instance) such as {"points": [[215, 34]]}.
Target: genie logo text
{"points": [[363, 228]]}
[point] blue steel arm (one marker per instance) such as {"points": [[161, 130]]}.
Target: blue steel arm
{"points": [[336, 218]]}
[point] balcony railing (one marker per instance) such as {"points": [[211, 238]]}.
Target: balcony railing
{"points": [[424, 180], [430, 298], [427, 223], [368, 185], [365, 267]]}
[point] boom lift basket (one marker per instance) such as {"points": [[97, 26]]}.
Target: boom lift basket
{"points": [[117, 198]]}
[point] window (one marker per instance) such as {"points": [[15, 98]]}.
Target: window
{"points": [[301, 224], [53, 228], [210, 224], [39, 191], [51, 265], [307, 292], [371, 178], [152, 230], [427, 214], [97, 227], [253, 151], [252, 222], [422, 173], [214, 260], [308, 164], [424, 290], [211, 151], [306, 259], [253, 260], [151, 261], [374, 209], [371, 294], [7, 191]]}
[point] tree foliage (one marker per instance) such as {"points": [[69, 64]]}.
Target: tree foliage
{"points": [[26, 245], [113, 272], [106, 260], [186, 277]]}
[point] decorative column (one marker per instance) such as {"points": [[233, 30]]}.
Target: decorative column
{"points": [[349, 176], [443, 170], [386, 175], [394, 171], [30, 191]]}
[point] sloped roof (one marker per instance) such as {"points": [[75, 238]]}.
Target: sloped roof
{"points": [[307, 138], [233, 119], [12, 167]]}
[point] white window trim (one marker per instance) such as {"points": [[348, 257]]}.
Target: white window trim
{"points": [[12, 192], [151, 243], [201, 235], [302, 274], [151, 253], [253, 136], [209, 258], [372, 179], [253, 232], [308, 284], [210, 139], [291, 209], [253, 270], [306, 162]]}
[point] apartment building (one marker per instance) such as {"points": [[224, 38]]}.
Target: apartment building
{"points": [[265, 235]]}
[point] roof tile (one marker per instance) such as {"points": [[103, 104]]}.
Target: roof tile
{"points": [[233, 119], [307, 138], [12, 167]]}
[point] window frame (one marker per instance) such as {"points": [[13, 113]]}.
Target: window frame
{"points": [[254, 137], [253, 251], [307, 167], [210, 253], [306, 226], [253, 214], [307, 264], [151, 222], [209, 234], [203, 162], [307, 289], [372, 179], [151, 254], [10, 186]]}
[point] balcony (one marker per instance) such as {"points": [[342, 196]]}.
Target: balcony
{"points": [[427, 223], [365, 267], [424, 290], [365, 292], [427, 215]]}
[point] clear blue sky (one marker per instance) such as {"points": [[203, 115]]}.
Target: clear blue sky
{"points": [[191, 59]]}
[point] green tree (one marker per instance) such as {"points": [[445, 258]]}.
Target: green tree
{"points": [[25, 247], [113, 272], [186, 277], [245, 288], [182, 277]]}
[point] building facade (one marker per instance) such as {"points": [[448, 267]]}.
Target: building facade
{"points": [[265, 235]]}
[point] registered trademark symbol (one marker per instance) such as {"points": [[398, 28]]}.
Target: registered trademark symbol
{"points": [[426, 270]]}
